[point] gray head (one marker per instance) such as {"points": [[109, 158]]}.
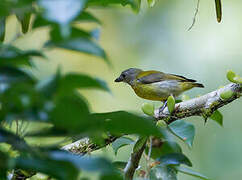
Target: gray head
{"points": [[128, 75]]}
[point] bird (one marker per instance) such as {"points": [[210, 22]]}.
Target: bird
{"points": [[155, 85]]}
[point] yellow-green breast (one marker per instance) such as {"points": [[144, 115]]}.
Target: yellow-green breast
{"points": [[160, 91]]}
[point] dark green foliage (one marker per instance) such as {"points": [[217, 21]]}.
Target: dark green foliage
{"points": [[48, 166], [74, 80], [184, 130], [170, 165], [135, 4], [2, 28], [218, 117], [162, 172], [16, 142], [190, 172], [10, 55], [175, 159], [164, 148], [87, 17], [120, 142], [24, 19]]}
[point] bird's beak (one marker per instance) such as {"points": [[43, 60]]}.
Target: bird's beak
{"points": [[119, 79]]}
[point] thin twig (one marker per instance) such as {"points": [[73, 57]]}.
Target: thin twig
{"points": [[133, 162], [195, 15], [150, 149], [17, 127], [148, 159]]}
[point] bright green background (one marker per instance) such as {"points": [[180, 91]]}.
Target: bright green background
{"points": [[158, 38]]}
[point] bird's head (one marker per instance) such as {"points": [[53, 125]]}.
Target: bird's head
{"points": [[128, 75]]}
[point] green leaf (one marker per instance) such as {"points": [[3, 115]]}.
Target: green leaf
{"points": [[119, 164], [22, 173], [116, 123], [50, 85], [171, 104], [57, 37], [232, 77], [21, 101], [24, 20], [121, 122], [47, 132], [190, 172], [139, 144], [174, 159], [77, 40], [120, 142], [218, 117], [86, 163], [48, 166], [9, 7], [2, 28], [3, 165], [135, 4], [15, 141], [184, 130], [111, 177], [54, 10], [39, 21], [84, 45], [164, 148], [16, 93], [10, 75], [13, 56], [148, 109], [151, 2], [87, 17], [218, 10], [226, 94], [238, 79], [161, 123], [70, 113], [162, 172], [72, 81]]}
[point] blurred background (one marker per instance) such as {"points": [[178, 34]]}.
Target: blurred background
{"points": [[158, 38]]}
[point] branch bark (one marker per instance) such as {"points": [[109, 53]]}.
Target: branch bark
{"points": [[201, 106], [84, 145], [134, 160]]}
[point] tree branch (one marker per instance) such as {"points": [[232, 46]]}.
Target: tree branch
{"points": [[134, 160], [201, 106], [84, 145]]}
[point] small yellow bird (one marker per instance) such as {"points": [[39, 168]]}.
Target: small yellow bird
{"points": [[156, 85]]}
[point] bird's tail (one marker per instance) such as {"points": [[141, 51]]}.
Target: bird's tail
{"points": [[198, 85]]}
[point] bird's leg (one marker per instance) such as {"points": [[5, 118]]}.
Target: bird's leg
{"points": [[163, 107]]}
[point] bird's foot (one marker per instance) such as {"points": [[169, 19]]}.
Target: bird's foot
{"points": [[162, 107]]}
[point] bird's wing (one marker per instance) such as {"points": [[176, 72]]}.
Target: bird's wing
{"points": [[148, 77], [181, 78]]}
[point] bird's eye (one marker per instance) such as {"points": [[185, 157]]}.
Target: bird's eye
{"points": [[123, 75]]}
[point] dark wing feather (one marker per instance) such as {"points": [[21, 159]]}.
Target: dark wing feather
{"points": [[160, 76], [152, 78], [184, 78]]}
